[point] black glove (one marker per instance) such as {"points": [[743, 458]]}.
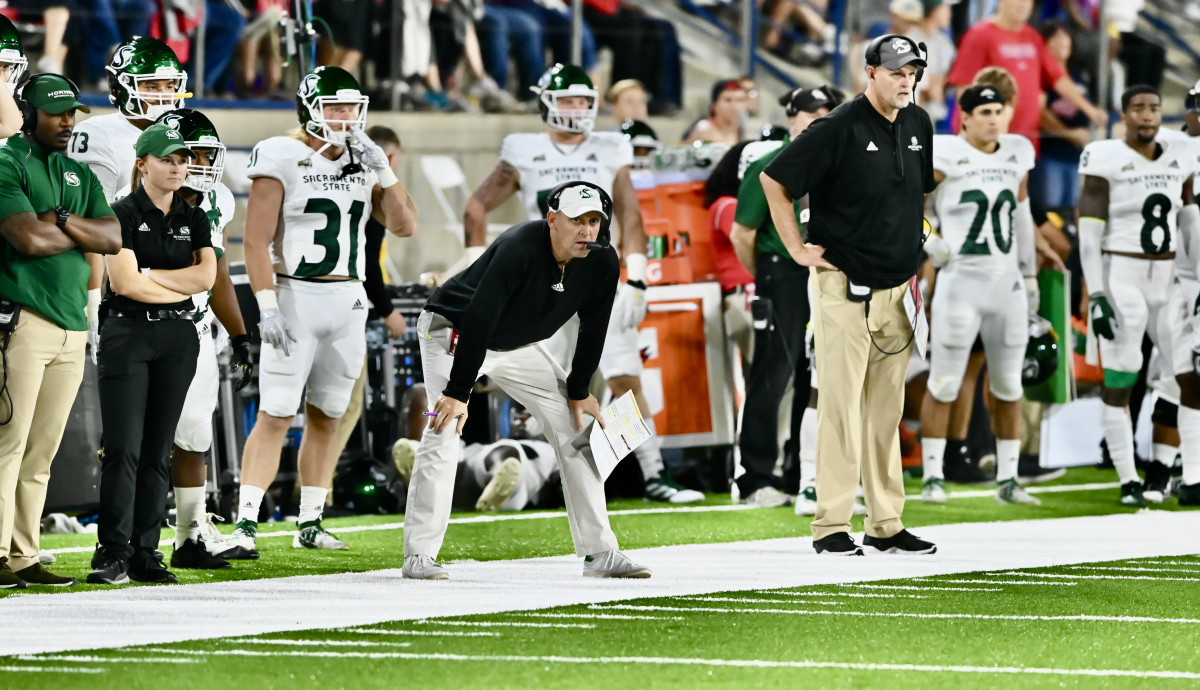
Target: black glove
{"points": [[240, 360]]}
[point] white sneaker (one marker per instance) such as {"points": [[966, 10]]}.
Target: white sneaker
{"points": [[243, 535], [404, 456], [500, 487], [933, 491], [767, 497], [313, 535], [806, 501], [613, 564], [221, 545], [46, 558], [1009, 491], [423, 568]]}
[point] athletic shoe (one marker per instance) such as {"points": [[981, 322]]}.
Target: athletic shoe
{"points": [[46, 558], [500, 487], [107, 569], [665, 489], [404, 456], [1158, 480], [37, 575], [806, 501], [901, 542], [1131, 494], [1030, 470], [1010, 491], [837, 544], [1189, 494], [767, 497], [423, 568], [613, 564], [314, 536], [933, 491], [243, 535], [9, 579], [219, 544], [193, 554], [143, 568], [959, 467]]}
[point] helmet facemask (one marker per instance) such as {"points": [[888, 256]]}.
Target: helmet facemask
{"points": [[336, 132], [17, 63], [574, 121], [204, 178], [150, 105]]}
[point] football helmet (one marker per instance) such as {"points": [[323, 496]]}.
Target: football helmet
{"points": [[199, 133], [138, 60], [324, 86], [1041, 354], [644, 141], [12, 53], [565, 81]]}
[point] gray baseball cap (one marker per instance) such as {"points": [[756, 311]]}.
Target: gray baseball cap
{"points": [[898, 51]]}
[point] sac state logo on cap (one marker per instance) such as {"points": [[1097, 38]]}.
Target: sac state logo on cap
{"points": [[585, 193], [901, 46], [173, 134], [71, 179]]}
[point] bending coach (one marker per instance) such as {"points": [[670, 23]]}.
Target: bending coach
{"points": [[866, 168]]}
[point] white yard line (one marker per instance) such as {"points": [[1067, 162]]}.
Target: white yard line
{"points": [[1106, 568], [899, 614], [52, 669], [510, 624], [1056, 489], [926, 589], [1195, 564], [856, 595], [1000, 582], [121, 617], [91, 659], [315, 643], [752, 600], [420, 633], [1102, 577], [598, 616]]}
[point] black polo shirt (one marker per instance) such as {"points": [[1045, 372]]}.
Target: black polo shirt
{"points": [[866, 180], [160, 242]]}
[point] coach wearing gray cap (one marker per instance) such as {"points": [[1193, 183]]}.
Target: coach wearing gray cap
{"points": [[866, 168]]}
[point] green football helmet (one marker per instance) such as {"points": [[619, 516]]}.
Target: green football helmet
{"points": [[329, 86], [12, 53], [199, 133], [644, 141], [1041, 354], [142, 59], [566, 81]]}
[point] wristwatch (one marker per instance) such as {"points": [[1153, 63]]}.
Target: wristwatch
{"points": [[63, 214]]}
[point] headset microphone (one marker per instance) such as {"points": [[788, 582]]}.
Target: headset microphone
{"points": [[596, 246]]}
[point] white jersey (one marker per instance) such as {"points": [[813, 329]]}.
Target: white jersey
{"points": [[324, 215], [1143, 195], [976, 202], [543, 166], [106, 144]]}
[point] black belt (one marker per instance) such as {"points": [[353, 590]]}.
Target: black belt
{"points": [[152, 314]]}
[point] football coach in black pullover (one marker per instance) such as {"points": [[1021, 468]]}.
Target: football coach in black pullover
{"points": [[488, 321], [865, 168]]}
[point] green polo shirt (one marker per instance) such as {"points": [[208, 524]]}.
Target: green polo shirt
{"points": [[753, 211], [32, 180]]}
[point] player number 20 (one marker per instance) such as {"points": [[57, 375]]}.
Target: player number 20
{"points": [[973, 245]]}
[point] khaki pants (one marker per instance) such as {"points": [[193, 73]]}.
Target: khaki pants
{"points": [[44, 368], [859, 409]]}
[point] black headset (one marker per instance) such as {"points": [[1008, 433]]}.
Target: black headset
{"points": [[28, 113], [873, 48], [604, 238]]}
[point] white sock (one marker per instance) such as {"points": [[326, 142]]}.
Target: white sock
{"points": [[1189, 443], [312, 503], [189, 512], [649, 454], [933, 450], [1164, 454], [1118, 434], [808, 448], [1007, 452], [250, 500]]}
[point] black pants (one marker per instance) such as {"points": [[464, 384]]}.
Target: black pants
{"points": [[146, 368], [778, 358]]}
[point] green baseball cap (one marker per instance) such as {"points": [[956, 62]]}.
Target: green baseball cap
{"points": [[52, 94], [161, 141]]}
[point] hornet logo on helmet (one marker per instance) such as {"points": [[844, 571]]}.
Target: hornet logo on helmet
{"points": [[122, 57], [308, 87], [901, 46]]}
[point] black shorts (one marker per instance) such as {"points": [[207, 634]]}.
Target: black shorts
{"points": [[348, 20]]}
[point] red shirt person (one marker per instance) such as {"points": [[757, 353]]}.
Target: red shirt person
{"points": [[1007, 40]]}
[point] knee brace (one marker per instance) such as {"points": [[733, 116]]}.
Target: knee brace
{"points": [[944, 389]]}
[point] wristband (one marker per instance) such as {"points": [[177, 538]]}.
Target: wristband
{"points": [[387, 178], [635, 267], [637, 284], [63, 214], [266, 300]]}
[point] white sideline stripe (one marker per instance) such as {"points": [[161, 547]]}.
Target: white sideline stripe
{"points": [[52, 669], [420, 633], [926, 589], [1104, 577], [857, 595], [1195, 563], [75, 658], [751, 600], [128, 616], [744, 663], [545, 515], [1193, 571], [1000, 582], [901, 614], [600, 616], [509, 624], [316, 643]]}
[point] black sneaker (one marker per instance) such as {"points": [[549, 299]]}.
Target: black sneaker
{"points": [[837, 544], [1030, 470], [959, 467], [1158, 479], [193, 555], [901, 542], [9, 579], [1131, 494], [146, 568], [107, 569], [1189, 494], [37, 575]]}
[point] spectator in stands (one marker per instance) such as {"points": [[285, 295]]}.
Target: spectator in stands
{"points": [[627, 98], [643, 47], [109, 23], [55, 15], [553, 18], [810, 16], [224, 25], [1007, 40], [505, 29], [349, 23], [1064, 130], [903, 16], [726, 110], [452, 25], [252, 47], [931, 30]]}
